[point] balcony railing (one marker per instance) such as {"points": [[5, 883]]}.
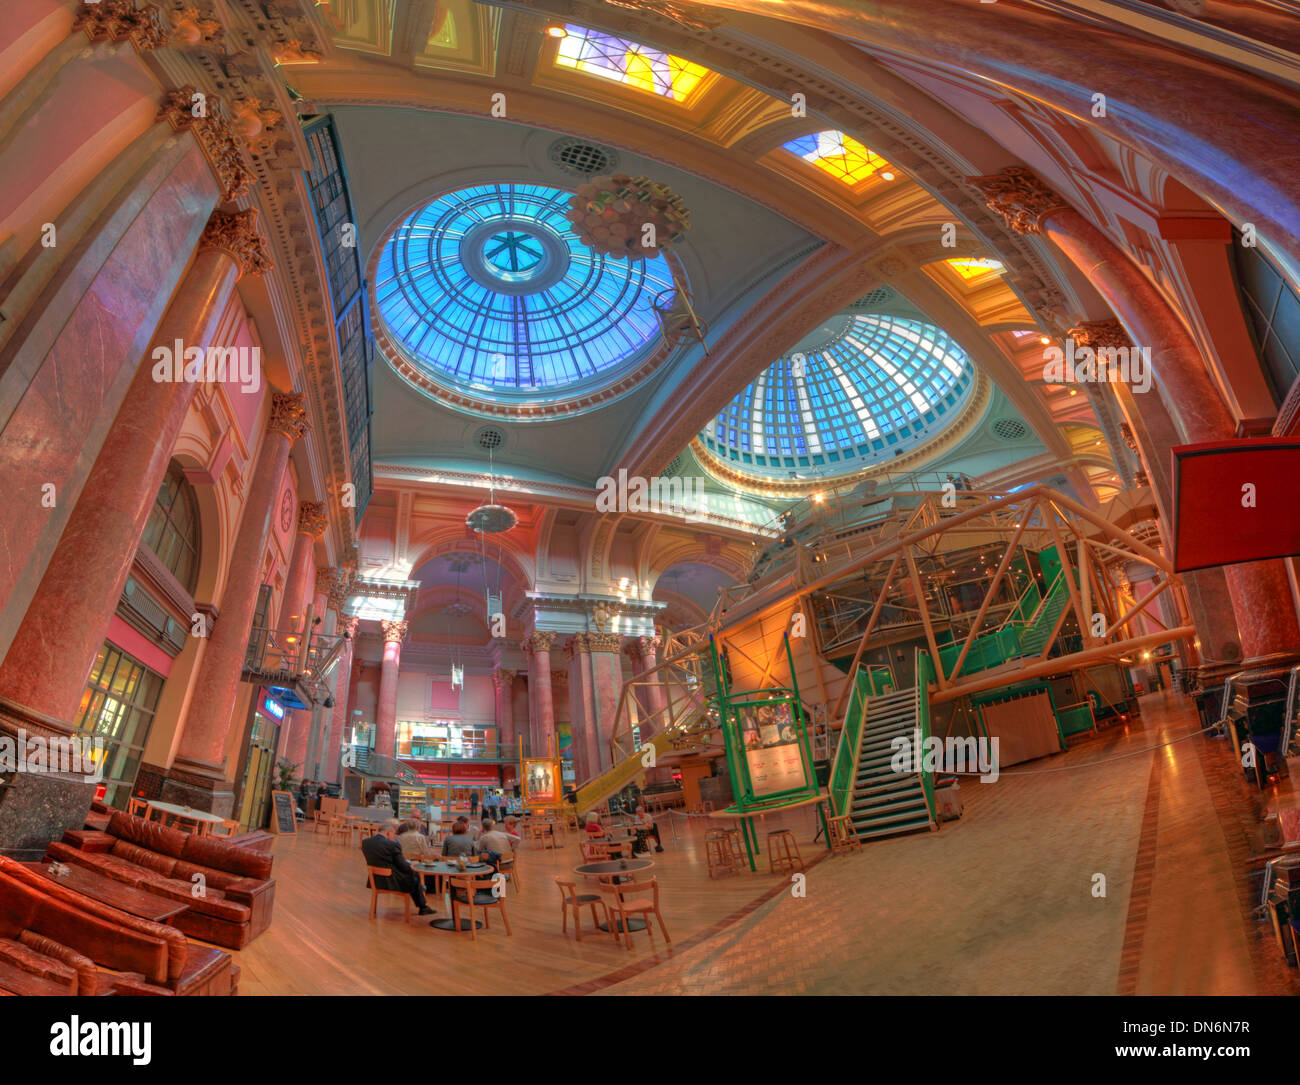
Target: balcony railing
{"points": [[441, 751]]}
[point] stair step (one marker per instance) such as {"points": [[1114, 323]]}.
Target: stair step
{"points": [[885, 787], [888, 806], [880, 821], [893, 830]]}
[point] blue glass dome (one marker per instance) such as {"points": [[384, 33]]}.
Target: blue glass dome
{"points": [[858, 390], [489, 287]]}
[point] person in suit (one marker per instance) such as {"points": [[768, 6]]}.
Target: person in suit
{"points": [[473, 804], [383, 850]]}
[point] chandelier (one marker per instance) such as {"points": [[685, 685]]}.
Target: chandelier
{"points": [[457, 676], [632, 217]]}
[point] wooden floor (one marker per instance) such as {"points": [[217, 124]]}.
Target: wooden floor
{"points": [[1001, 901]]}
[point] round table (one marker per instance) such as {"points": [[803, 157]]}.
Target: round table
{"points": [[452, 870], [184, 811], [618, 867]]}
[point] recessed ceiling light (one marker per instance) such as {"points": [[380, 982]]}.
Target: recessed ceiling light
{"points": [[887, 176], [1044, 339], [557, 32]]}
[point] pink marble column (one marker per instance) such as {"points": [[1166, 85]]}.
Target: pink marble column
{"points": [[503, 682], [1261, 596], [341, 713], [541, 726], [651, 696], [595, 682], [299, 590], [200, 765], [386, 716], [65, 624]]}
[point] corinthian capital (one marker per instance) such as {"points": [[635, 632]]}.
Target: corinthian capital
{"points": [[1100, 333], [239, 237], [192, 110], [394, 631], [288, 415], [541, 640], [503, 679], [1020, 197], [641, 647], [312, 519], [121, 20]]}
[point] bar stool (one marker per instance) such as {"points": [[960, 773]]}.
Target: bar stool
{"points": [[782, 852], [718, 854], [844, 837], [737, 846]]}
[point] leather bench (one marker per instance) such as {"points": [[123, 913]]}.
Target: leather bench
{"points": [[238, 890]]}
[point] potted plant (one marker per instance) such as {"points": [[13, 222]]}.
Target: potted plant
{"points": [[285, 769]]}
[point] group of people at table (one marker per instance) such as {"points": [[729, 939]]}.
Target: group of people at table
{"points": [[398, 843]]}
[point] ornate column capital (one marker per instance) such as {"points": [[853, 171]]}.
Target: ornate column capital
{"points": [[312, 518], [641, 647], [240, 237], [121, 20], [394, 631], [192, 27], [540, 640], [559, 678], [503, 680], [288, 414], [192, 110], [351, 625], [1020, 197], [603, 642], [338, 588], [1100, 333]]}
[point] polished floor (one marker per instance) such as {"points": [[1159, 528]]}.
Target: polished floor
{"points": [[1115, 868]]}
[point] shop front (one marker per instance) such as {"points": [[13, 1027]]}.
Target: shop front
{"points": [[451, 784], [256, 773]]}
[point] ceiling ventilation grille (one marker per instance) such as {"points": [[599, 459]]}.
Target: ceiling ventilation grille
{"points": [[581, 159], [1010, 429], [880, 296], [489, 439]]}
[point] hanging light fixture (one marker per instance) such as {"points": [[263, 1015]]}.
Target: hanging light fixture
{"points": [[491, 519], [456, 609]]}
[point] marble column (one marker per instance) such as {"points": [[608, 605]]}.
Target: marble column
{"points": [[386, 713], [65, 624], [198, 775], [652, 699], [503, 682], [1260, 591], [541, 726], [341, 713], [595, 681], [299, 589]]}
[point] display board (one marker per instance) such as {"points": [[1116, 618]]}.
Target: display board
{"points": [[283, 818], [541, 781]]}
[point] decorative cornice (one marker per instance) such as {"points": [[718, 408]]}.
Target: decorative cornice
{"points": [[674, 13], [191, 27], [1020, 197], [215, 137], [593, 642], [240, 237], [288, 415], [121, 20], [312, 518], [394, 631]]}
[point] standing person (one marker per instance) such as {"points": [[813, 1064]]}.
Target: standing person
{"points": [[473, 804], [383, 850], [490, 805]]}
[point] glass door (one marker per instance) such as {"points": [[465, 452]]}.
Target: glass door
{"points": [[255, 791]]}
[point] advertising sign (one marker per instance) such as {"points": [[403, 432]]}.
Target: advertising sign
{"points": [[541, 782], [772, 751]]}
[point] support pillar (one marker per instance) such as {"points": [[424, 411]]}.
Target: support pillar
{"points": [[503, 682], [541, 725], [1261, 598], [386, 714], [299, 590], [652, 699], [341, 713], [198, 776], [595, 681]]}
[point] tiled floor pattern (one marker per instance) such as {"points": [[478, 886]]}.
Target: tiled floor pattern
{"points": [[1002, 901]]}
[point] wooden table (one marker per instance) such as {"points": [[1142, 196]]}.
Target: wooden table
{"points": [[452, 870], [136, 902], [186, 812], [617, 867]]}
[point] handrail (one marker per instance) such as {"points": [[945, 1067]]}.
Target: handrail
{"points": [[923, 676], [848, 768], [1288, 716]]}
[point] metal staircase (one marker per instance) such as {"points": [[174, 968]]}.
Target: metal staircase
{"points": [[884, 802], [1038, 631]]}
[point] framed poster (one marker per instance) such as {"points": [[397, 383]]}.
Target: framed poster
{"points": [[541, 781], [772, 752]]}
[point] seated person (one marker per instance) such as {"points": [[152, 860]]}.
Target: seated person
{"points": [[414, 844], [459, 844], [595, 830], [383, 850], [497, 843], [512, 826], [645, 826]]}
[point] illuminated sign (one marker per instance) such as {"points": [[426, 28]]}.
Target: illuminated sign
{"points": [[273, 708]]}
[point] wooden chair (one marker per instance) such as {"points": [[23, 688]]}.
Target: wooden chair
{"points": [[320, 820], [225, 827], [137, 807], [340, 830], [570, 898], [593, 851], [782, 852], [844, 837], [193, 826], [621, 908], [375, 891], [509, 866], [469, 891]]}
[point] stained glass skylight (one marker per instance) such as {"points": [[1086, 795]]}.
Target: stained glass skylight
{"points": [[840, 155], [972, 267], [630, 63], [489, 287], [862, 388]]}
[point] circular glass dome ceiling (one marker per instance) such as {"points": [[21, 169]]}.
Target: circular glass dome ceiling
{"points": [[859, 390], [488, 287]]}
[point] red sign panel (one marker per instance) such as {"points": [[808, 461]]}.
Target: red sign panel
{"points": [[1235, 501]]}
